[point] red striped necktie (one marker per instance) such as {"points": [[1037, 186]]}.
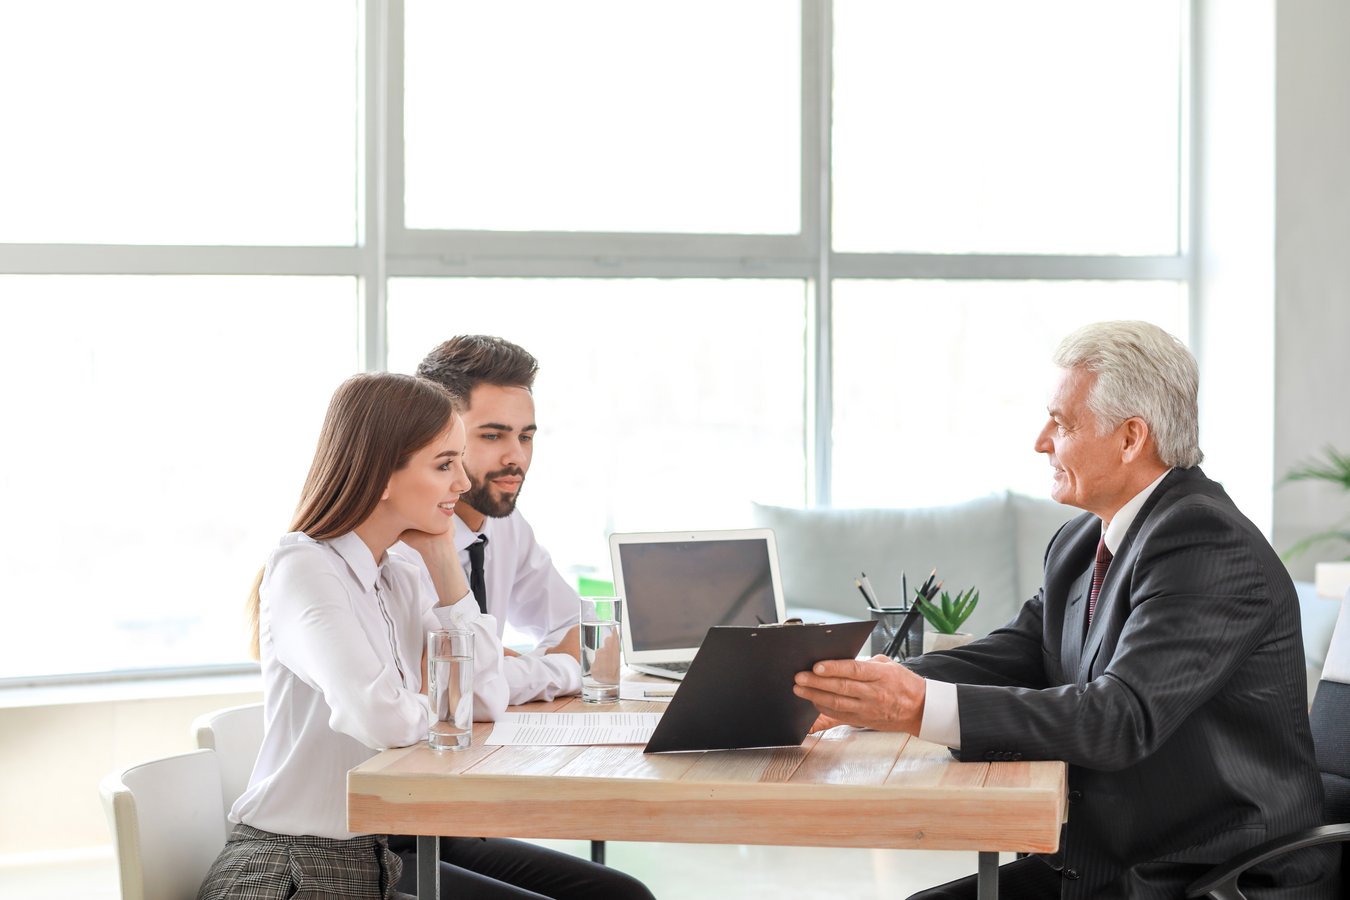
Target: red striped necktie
{"points": [[1098, 576]]}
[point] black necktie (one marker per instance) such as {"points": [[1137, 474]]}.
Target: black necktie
{"points": [[476, 582]]}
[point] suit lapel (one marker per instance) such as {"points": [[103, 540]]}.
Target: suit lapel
{"points": [[1075, 618], [1113, 590]]}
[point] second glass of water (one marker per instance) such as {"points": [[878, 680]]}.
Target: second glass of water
{"points": [[601, 619]]}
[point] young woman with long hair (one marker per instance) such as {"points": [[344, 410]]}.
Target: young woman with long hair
{"points": [[339, 628], [339, 625]]}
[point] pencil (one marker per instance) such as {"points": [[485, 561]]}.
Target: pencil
{"points": [[862, 590], [867, 583]]}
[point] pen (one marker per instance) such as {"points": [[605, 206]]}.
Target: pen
{"points": [[902, 632], [659, 692]]}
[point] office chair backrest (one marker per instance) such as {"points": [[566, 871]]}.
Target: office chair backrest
{"points": [[166, 824], [1331, 725], [235, 734]]}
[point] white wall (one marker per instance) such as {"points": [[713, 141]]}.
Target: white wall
{"points": [[55, 755], [1312, 261], [1233, 238]]}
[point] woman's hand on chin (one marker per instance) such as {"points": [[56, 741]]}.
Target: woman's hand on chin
{"points": [[431, 546], [442, 561]]}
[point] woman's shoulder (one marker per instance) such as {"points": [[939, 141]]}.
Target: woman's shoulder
{"points": [[296, 555]]}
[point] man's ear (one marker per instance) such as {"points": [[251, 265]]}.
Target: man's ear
{"points": [[1135, 437]]}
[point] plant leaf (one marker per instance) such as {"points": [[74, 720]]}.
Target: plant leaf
{"points": [[1303, 545], [965, 605], [1335, 469], [934, 615]]}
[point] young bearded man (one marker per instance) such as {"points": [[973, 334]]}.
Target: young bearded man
{"points": [[512, 576], [514, 580]]}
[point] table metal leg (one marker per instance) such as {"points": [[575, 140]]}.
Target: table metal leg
{"points": [[598, 852], [986, 883], [429, 867]]}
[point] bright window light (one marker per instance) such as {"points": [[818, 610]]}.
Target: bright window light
{"points": [[169, 122], [982, 126], [160, 432], [940, 386], [533, 115]]}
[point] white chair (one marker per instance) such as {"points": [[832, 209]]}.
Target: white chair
{"points": [[235, 734], [166, 824]]}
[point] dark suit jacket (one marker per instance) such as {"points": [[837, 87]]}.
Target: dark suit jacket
{"points": [[1182, 711]]}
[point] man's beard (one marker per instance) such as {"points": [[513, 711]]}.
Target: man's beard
{"points": [[479, 495]]}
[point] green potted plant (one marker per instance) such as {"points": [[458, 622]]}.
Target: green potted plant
{"points": [[1335, 469], [1332, 577], [947, 616]]}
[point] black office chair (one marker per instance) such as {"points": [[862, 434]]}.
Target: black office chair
{"points": [[1331, 738]]}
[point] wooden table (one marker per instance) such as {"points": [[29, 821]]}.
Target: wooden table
{"points": [[842, 788]]}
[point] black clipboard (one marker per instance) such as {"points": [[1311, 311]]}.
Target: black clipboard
{"points": [[738, 690]]}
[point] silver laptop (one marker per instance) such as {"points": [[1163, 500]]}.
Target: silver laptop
{"points": [[676, 585]]}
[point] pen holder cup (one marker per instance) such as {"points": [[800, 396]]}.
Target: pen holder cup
{"points": [[888, 621]]}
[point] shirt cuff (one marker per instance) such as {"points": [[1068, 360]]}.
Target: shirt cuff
{"points": [[941, 716], [462, 612]]}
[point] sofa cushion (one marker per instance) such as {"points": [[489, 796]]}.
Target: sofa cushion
{"points": [[821, 551]]}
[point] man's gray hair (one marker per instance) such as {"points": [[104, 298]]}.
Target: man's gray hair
{"points": [[1141, 371]]}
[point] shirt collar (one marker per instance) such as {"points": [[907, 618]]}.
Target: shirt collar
{"points": [[358, 558], [464, 535], [1114, 532]]}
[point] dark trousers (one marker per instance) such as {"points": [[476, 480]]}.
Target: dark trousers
{"points": [[1023, 879], [501, 869]]}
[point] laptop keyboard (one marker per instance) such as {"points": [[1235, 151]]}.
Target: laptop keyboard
{"points": [[675, 670]]}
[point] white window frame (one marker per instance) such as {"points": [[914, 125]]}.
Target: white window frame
{"points": [[385, 248]]}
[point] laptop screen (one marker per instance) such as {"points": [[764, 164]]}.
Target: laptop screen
{"points": [[675, 591]]}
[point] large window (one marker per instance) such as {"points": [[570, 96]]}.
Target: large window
{"points": [[171, 122], [157, 434], [798, 253]]}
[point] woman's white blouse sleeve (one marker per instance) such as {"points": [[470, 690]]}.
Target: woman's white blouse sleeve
{"points": [[315, 633]]}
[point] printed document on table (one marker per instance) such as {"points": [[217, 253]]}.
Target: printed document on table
{"points": [[556, 729]]}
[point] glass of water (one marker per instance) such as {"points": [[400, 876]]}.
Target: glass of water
{"points": [[450, 688], [601, 618]]}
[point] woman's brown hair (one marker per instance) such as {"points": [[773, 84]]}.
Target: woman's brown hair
{"points": [[375, 423]]}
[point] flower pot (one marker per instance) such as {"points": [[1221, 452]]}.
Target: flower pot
{"points": [[1333, 579], [932, 640]]}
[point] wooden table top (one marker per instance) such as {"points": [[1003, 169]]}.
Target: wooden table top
{"points": [[843, 788]]}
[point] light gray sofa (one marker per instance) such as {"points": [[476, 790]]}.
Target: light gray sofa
{"points": [[995, 543]]}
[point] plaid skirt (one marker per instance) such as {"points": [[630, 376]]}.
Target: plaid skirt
{"points": [[259, 865]]}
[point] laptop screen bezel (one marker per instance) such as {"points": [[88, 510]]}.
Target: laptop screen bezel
{"points": [[684, 654]]}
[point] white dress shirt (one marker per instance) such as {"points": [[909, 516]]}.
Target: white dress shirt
{"points": [[525, 591], [941, 715], [341, 641]]}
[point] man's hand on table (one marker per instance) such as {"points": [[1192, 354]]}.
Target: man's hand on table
{"points": [[876, 693]]}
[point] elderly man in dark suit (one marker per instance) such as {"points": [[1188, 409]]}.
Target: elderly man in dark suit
{"points": [[1161, 659]]}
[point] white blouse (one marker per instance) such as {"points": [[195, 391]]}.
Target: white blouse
{"points": [[341, 641]]}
